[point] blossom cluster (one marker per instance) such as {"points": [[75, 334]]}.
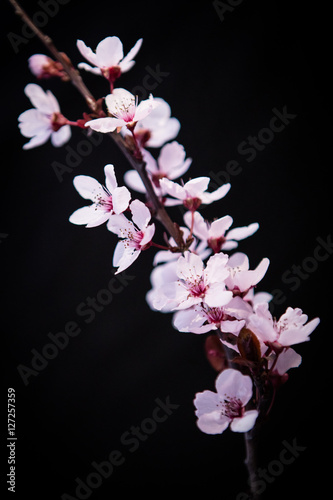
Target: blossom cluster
{"points": [[206, 287]]}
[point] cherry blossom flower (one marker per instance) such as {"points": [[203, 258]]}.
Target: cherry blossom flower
{"points": [[137, 235], [196, 283], [125, 111], [45, 120], [241, 279], [157, 128], [193, 193], [108, 60], [202, 318], [292, 327], [171, 163], [43, 66], [216, 234], [216, 410], [107, 200]]}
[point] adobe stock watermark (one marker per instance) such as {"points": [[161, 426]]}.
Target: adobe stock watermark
{"points": [[153, 78], [75, 155], [298, 273], [252, 145], [49, 9], [131, 439], [267, 476], [223, 7], [57, 342]]}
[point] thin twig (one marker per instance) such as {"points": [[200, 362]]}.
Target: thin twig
{"points": [[159, 211], [251, 464]]}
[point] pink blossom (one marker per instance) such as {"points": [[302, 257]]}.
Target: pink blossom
{"points": [[107, 200], [196, 283], [171, 164], [136, 235], [108, 60], [292, 327], [216, 234], [43, 66], [44, 121], [241, 279], [202, 318], [216, 410], [125, 111], [193, 193]]}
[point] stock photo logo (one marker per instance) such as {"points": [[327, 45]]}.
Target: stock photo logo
{"points": [[49, 9]]}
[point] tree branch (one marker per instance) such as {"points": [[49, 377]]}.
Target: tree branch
{"points": [[139, 165]]}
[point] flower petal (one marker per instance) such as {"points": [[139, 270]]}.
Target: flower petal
{"points": [[207, 198], [128, 62], [87, 187], [109, 52], [234, 384], [134, 181], [245, 423], [140, 214], [110, 178], [120, 199], [61, 136], [87, 52], [105, 125], [43, 101], [89, 216], [213, 423], [240, 233]]}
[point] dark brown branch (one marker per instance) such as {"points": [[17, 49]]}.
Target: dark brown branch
{"points": [[251, 463], [159, 211]]}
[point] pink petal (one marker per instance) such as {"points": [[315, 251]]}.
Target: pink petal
{"points": [[234, 384], [220, 226], [213, 423], [128, 62], [87, 52], [207, 198], [120, 199], [140, 214], [245, 423], [196, 187], [145, 108], [173, 189], [109, 52], [110, 178], [240, 233], [61, 136], [105, 125], [87, 186]]}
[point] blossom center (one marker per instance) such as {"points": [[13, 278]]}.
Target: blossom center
{"points": [[232, 408], [57, 121], [216, 243], [214, 314], [192, 204], [198, 289], [111, 73], [104, 201], [124, 109]]}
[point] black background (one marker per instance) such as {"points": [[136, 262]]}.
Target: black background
{"points": [[224, 78]]}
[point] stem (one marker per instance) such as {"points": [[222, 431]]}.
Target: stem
{"points": [[138, 165], [72, 73], [251, 463]]}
